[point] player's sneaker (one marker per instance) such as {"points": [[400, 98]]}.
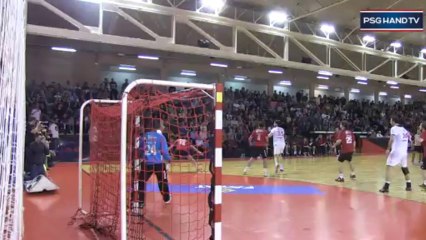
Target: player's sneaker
{"points": [[353, 176], [167, 200], [245, 170], [384, 190], [408, 189], [340, 179]]}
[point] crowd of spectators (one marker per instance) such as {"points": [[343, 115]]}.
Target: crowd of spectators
{"points": [[303, 118], [57, 106]]}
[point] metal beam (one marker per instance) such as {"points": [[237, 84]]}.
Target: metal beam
{"points": [[61, 14], [167, 46], [260, 43], [135, 22], [308, 52], [380, 65], [214, 19], [202, 32], [408, 70], [348, 60], [319, 10]]}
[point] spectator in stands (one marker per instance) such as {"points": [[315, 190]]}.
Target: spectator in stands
{"points": [[38, 150]]}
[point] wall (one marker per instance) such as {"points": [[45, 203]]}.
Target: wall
{"points": [[328, 93], [246, 85]]}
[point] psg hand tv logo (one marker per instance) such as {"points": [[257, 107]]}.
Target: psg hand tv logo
{"points": [[392, 20]]}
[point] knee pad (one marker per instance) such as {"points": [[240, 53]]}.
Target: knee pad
{"points": [[405, 170]]}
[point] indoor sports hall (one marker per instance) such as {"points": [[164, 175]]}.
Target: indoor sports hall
{"points": [[212, 119]]}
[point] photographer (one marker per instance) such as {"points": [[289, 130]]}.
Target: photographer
{"points": [[37, 152]]}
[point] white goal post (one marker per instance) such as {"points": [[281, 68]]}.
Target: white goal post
{"points": [[218, 95]]}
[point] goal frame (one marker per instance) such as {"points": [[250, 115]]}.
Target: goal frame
{"points": [[80, 147]]}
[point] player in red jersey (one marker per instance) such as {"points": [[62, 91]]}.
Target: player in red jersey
{"points": [[258, 141], [423, 142], [183, 148], [345, 139]]}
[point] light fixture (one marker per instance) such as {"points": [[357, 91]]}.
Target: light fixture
{"points": [[362, 83], [423, 51], [361, 78], [285, 83], [391, 83], [355, 90], [327, 29], [215, 6], [325, 73], [368, 39], [396, 45], [219, 65], [276, 17], [422, 90], [323, 87], [275, 72], [383, 93], [323, 77], [147, 57], [240, 78], [127, 67], [394, 87], [407, 96], [64, 49], [189, 73]]}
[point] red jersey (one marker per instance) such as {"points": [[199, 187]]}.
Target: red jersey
{"points": [[336, 135], [423, 136], [182, 144], [259, 138], [348, 138]]}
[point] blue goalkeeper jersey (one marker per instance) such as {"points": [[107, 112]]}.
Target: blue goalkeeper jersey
{"points": [[153, 148]]}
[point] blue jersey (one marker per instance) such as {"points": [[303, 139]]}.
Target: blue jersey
{"points": [[153, 148]]}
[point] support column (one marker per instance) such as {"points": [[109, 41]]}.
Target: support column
{"points": [[376, 96], [270, 91], [311, 91], [164, 71], [346, 90]]}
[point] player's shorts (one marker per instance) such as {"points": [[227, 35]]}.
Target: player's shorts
{"points": [[279, 148], [418, 149], [423, 166], [345, 157], [397, 158], [258, 152]]}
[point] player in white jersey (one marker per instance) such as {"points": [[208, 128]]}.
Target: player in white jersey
{"points": [[278, 135], [397, 152]]}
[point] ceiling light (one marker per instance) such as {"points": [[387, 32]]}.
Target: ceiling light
{"points": [[276, 17], [127, 67], [394, 87], [361, 78], [286, 83], [275, 72], [325, 73], [422, 90], [362, 83], [323, 87], [423, 51], [354, 90], [396, 45], [407, 96], [240, 78], [323, 77], [383, 94], [148, 57], [189, 73], [219, 65], [64, 49], [391, 83], [368, 39], [213, 5], [327, 28]]}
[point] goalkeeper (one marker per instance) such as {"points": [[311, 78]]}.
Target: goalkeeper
{"points": [[154, 152]]}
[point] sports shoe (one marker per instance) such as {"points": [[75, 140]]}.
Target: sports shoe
{"points": [[353, 176], [167, 201], [340, 179], [408, 189], [384, 190]]}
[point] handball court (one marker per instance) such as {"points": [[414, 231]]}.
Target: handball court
{"points": [[303, 203]]}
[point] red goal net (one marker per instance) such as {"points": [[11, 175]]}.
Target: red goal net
{"points": [[186, 120]]}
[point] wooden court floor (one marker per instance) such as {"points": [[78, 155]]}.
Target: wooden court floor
{"points": [[303, 203]]}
